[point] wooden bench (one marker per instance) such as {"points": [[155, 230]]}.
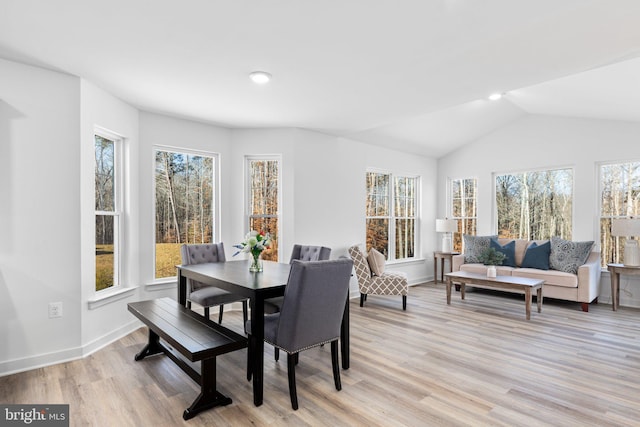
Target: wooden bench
{"points": [[192, 336]]}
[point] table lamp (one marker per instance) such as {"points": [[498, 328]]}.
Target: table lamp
{"points": [[628, 227], [446, 226]]}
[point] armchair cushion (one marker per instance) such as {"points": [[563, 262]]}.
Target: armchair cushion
{"points": [[376, 262]]}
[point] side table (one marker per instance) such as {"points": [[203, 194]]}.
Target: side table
{"points": [[615, 270], [442, 256]]}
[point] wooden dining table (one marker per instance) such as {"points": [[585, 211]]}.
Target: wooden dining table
{"points": [[235, 277]]}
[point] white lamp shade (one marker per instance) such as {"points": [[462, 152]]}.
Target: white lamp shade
{"points": [[625, 227], [446, 225]]}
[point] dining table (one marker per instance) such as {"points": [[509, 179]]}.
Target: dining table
{"points": [[235, 277]]}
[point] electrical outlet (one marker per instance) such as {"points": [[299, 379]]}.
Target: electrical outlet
{"points": [[55, 309]]}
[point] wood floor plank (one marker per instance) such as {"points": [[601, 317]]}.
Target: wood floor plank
{"points": [[476, 362]]}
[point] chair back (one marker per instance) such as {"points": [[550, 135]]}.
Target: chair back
{"points": [[200, 254], [310, 253], [361, 265], [313, 305]]}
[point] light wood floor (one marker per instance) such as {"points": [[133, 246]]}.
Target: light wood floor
{"points": [[476, 362]]}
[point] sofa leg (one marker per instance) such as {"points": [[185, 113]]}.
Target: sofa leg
{"points": [[585, 307], [595, 301]]}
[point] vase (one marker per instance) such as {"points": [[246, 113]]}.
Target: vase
{"points": [[256, 263], [491, 271]]}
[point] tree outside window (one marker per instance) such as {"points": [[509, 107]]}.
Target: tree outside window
{"points": [[535, 205], [464, 208], [107, 210], [391, 230], [620, 198], [184, 205], [263, 200]]}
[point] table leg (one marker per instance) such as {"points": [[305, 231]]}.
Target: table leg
{"points": [[442, 269], [539, 299], [257, 347], [463, 287], [528, 297], [448, 290], [344, 336], [615, 290], [435, 269], [182, 288]]}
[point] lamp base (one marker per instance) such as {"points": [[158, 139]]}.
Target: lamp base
{"points": [[631, 253], [447, 246]]}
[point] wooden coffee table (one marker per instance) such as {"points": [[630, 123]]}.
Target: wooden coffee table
{"points": [[509, 283]]}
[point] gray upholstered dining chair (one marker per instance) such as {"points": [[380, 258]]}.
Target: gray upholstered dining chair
{"points": [[207, 295], [311, 314]]}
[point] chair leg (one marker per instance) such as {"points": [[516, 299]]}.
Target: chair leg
{"points": [[188, 304], [206, 312], [221, 308], [362, 297], [276, 353], [404, 302], [291, 371], [335, 364]]}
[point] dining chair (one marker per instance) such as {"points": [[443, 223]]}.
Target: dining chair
{"points": [[302, 253], [206, 295], [311, 315]]}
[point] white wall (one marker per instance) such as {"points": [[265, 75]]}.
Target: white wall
{"points": [[39, 215], [542, 142]]}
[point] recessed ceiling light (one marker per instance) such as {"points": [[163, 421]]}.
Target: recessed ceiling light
{"points": [[495, 96], [260, 77]]}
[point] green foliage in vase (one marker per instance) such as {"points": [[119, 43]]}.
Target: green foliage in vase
{"points": [[491, 256]]}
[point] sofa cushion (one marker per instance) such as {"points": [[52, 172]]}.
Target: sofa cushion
{"points": [[474, 245], [567, 256], [376, 262], [550, 277], [501, 270], [537, 256], [508, 249]]}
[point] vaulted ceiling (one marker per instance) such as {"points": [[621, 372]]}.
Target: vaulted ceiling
{"points": [[407, 74]]}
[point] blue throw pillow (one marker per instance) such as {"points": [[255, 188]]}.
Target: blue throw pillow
{"points": [[509, 250], [537, 256]]}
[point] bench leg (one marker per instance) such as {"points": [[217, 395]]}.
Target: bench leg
{"points": [[152, 347], [209, 396]]}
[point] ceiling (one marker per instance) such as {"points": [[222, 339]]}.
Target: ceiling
{"points": [[407, 74]]}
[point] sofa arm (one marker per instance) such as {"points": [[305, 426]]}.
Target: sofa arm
{"points": [[589, 278], [456, 262]]}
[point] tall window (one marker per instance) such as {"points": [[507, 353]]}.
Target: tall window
{"points": [[463, 208], [620, 198], [535, 204], [185, 205], [263, 200], [108, 201], [391, 229]]}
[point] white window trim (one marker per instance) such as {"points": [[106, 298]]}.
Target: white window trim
{"points": [[216, 200], [247, 193], [118, 159]]}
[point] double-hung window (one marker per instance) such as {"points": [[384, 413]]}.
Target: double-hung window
{"points": [[464, 208], [263, 199], [391, 214], [535, 205], [108, 209], [185, 204], [620, 198]]}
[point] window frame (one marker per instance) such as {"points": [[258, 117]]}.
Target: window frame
{"points": [[391, 219], [600, 217], [462, 219], [215, 209], [118, 207], [247, 199]]}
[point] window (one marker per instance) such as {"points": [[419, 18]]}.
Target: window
{"points": [[108, 206], [184, 205], [263, 200], [391, 229], [535, 205], [620, 198], [463, 208]]}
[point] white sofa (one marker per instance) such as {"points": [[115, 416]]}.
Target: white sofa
{"points": [[582, 287]]}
